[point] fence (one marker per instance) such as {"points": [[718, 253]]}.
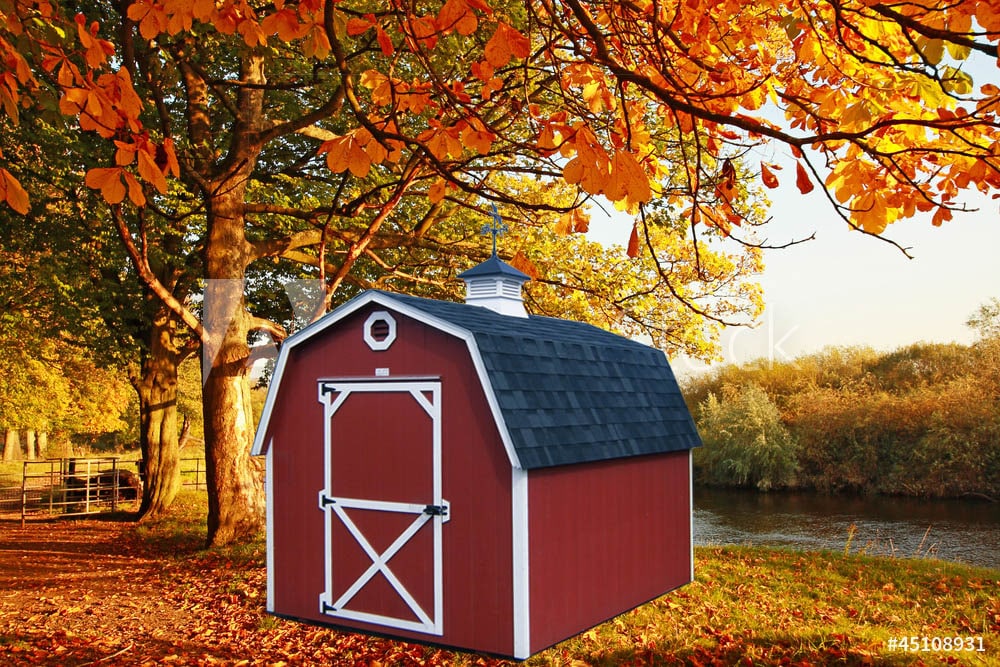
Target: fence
{"points": [[199, 481], [72, 486], [75, 486]]}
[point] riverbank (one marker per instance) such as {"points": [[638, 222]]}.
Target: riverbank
{"points": [[963, 531], [75, 592]]}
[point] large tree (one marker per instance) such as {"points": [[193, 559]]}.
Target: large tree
{"points": [[344, 134]]}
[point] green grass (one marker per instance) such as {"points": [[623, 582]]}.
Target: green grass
{"points": [[181, 531], [10, 473]]}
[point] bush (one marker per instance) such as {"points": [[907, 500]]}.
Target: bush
{"points": [[745, 443]]}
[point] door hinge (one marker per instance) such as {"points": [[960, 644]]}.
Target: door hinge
{"points": [[325, 500]]}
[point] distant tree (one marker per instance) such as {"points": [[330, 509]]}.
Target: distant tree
{"points": [[986, 320]]}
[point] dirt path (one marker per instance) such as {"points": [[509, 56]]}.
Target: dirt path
{"points": [[90, 592], [73, 592]]}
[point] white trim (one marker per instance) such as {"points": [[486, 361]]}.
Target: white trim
{"points": [[332, 394], [269, 527], [691, 507], [370, 340], [260, 445], [521, 583]]}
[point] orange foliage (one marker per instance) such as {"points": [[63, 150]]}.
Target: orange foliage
{"points": [[876, 94]]}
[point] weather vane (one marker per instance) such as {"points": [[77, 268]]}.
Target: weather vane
{"points": [[495, 227]]}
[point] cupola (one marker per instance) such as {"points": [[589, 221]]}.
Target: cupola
{"points": [[496, 285]]}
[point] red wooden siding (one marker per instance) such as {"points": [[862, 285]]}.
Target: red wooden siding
{"points": [[475, 472], [605, 537]]}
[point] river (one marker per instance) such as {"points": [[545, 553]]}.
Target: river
{"points": [[962, 531]]}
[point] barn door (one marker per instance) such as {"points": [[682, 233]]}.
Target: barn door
{"points": [[383, 506]]}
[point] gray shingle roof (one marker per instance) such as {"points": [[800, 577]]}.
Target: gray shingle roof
{"points": [[570, 392], [494, 266]]}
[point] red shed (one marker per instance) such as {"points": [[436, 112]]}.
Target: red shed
{"points": [[471, 476]]}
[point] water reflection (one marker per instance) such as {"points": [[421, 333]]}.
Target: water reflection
{"points": [[963, 531]]}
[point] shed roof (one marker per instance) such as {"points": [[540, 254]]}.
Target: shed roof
{"points": [[562, 392]]}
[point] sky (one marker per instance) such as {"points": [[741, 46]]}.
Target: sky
{"points": [[848, 289]]}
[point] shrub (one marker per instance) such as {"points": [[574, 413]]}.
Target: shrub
{"points": [[745, 443]]}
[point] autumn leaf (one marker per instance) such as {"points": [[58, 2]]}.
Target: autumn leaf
{"points": [[437, 191], [521, 262], [358, 26], [725, 188], [564, 225], [285, 23], [633, 242], [170, 157], [152, 20], [316, 44], [108, 181], [346, 154], [425, 31], [458, 16], [478, 138], [941, 215], [802, 181], [575, 221], [12, 192], [135, 193], [150, 172], [251, 32], [767, 176], [505, 44], [384, 41], [631, 181]]}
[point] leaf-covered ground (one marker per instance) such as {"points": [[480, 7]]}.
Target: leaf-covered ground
{"points": [[93, 592]]}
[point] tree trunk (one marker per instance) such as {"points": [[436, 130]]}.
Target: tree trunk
{"points": [[235, 480], [157, 389], [43, 444], [30, 447], [11, 446]]}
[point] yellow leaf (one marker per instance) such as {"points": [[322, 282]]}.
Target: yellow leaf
{"points": [[564, 225], [317, 44]]}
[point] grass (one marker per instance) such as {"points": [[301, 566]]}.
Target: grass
{"points": [[773, 605], [763, 604]]}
